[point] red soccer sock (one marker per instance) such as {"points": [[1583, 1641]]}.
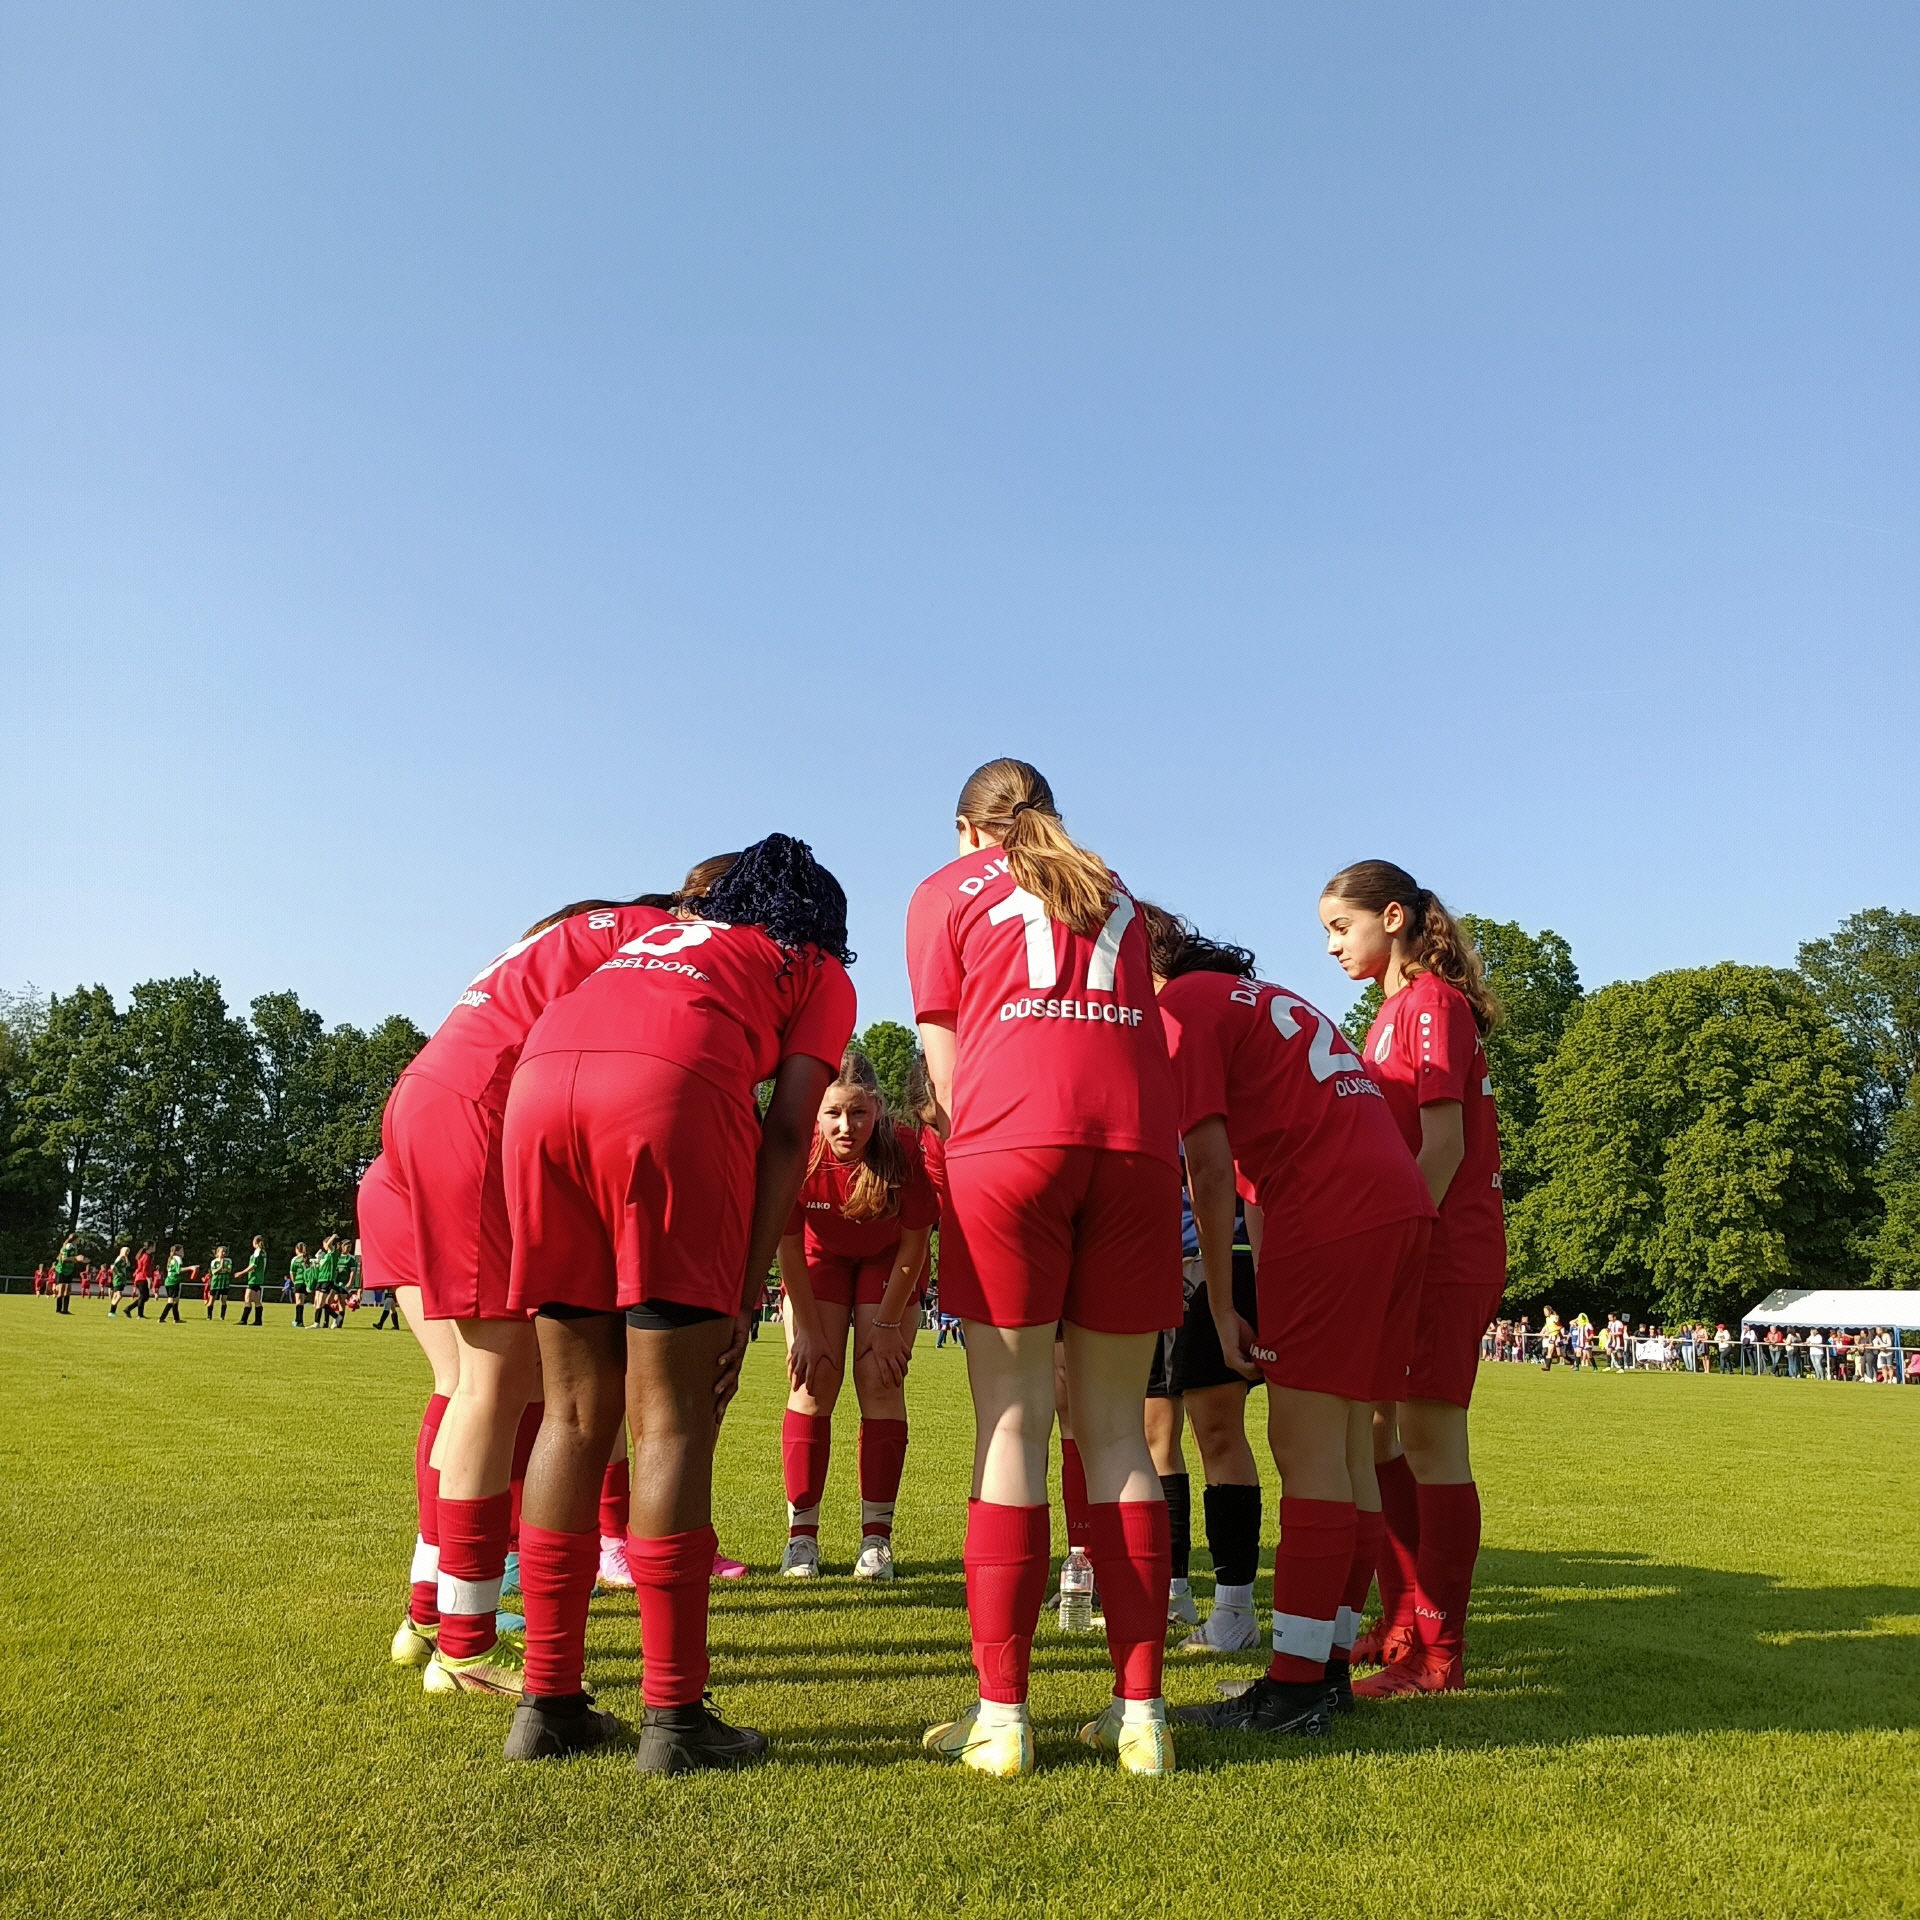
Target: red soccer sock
{"points": [[616, 1499], [1309, 1572], [473, 1556], [1133, 1561], [523, 1441], [1006, 1559], [806, 1448], [556, 1583], [423, 1605], [882, 1456], [1073, 1496], [1449, 1545], [671, 1575], [1400, 1548], [1369, 1530]]}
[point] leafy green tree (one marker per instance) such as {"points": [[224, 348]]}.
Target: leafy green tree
{"points": [[1867, 976], [1695, 1146], [30, 1179], [1893, 1249], [891, 1047], [74, 1071]]}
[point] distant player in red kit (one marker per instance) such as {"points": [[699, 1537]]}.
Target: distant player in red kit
{"points": [[647, 1196], [854, 1255], [434, 1217], [1426, 1049], [1271, 1093], [1032, 988]]}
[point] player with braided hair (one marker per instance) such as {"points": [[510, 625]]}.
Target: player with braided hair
{"points": [[1427, 1050], [853, 1258], [647, 1197]]}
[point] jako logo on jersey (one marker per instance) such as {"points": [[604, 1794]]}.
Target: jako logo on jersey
{"points": [[995, 868], [471, 998], [1263, 1353], [1384, 1045]]}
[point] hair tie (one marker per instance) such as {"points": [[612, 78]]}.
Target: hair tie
{"points": [[1025, 806]]}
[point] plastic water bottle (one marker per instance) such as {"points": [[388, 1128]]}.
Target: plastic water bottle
{"points": [[1076, 1593]]}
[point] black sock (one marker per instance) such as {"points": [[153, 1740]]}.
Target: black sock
{"points": [[1178, 1487], [1233, 1534], [562, 1703]]}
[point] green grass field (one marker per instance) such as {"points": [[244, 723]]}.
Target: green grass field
{"points": [[1695, 1659]]}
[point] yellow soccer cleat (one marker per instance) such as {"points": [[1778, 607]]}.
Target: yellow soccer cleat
{"points": [[1145, 1747], [413, 1644], [499, 1672], [1002, 1751]]}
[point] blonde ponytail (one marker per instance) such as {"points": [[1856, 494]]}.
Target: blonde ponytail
{"points": [[1011, 803]]}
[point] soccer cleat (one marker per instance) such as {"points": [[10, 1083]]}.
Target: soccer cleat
{"points": [[725, 1569], [510, 1577], [1340, 1685], [1002, 1751], [1145, 1747], [876, 1558], [1181, 1610], [1268, 1706], [413, 1644], [688, 1739], [1417, 1672], [509, 1622], [1226, 1630], [614, 1572], [544, 1731], [1381, 1647], [801, 1561], [496, 1672]]}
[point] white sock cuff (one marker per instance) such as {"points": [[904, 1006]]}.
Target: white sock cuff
{"points": [[1346, 1629], [877, 1510], [1000, 1713], [468, 1596], [1179, 1586], [802, 1516], [426, 1561], [1239, 1598], [1135, 1713], [1305, 1639]]}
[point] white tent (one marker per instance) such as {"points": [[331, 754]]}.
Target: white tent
{"points": [[1831, 1307]]}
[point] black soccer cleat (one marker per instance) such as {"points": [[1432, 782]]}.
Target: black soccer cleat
{"points": [[686, 1739], [1340, 1685], [1268, 1706], [550, 1730]]}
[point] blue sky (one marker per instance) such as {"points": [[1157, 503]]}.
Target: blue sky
{"points": [[461, 459]]}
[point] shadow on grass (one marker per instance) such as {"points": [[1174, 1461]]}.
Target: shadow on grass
{"points": [[1562, 1648]]}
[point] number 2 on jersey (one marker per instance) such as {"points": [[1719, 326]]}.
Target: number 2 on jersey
{"points": [[1043, 971], [1322, 1062]]}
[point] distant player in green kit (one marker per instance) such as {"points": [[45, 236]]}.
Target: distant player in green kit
{"points": [[176, 1261], [254, 1280], [297, 1281], [323, 1278], [66, 1263], [219, 1281], [122, 1280]]}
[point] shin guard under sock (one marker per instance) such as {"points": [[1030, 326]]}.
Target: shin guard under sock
{"points": [[1233, 1533], [1309, 1574], [882, 1458], [1368, 1531], [1073, 1495], [671, 1574], [1449, 1545], [1006, 1558], [1178, 1489], [1130, 1561], [1399, 1560], [806, 1450], [473, 1557], [423, 1608], [556, 1585]]}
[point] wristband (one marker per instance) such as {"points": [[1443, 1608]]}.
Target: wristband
{"points": [[886, 1326]]}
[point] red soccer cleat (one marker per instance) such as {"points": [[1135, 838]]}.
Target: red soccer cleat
{"points": [[1380, 1647], [1414, 1672]]}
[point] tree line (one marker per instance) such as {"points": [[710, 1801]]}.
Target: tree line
{"points": [[1673, 1147]]}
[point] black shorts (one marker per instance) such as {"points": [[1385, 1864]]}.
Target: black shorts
{"points": [[650, 1316], [1189, 1357]]}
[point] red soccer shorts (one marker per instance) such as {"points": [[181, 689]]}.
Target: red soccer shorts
{"points": [[386, 1230], [1452, 1319], [1052, 1233], [442, 1218], [845, 1280], [629, 1178], [1339, 1318]]}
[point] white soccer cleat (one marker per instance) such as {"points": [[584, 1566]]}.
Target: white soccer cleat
{"points": [[876, 1558], [801, 1561], [1226, 1630], [1181, 1610]]}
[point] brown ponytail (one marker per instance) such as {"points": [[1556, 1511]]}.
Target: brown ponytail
{"points": [[1011, 803], [873, 1191], [1436, 941]]}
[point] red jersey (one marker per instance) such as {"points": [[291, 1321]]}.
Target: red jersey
{"points": [[722, 1001], [478, 1044], [1310, 1130], [1058, 1038], [1424, 1046], [819, 1213]]}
